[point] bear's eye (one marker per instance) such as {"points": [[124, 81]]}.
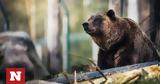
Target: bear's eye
{"points": [[97, 21]]}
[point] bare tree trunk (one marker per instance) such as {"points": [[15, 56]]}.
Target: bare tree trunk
{"points": [[155, 21], [53, 37], [4, 18], [149, 19], [144, 15], [133, 10]]}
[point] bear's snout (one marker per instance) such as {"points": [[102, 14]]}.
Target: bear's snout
{"points": [[85, 25]]}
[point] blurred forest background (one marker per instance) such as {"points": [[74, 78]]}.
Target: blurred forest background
{"points": [[55, 26]]}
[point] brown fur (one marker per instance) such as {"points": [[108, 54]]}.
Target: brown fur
{"points": [[120, 40]]}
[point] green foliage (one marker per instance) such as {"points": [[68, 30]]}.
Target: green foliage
{"points": [[80, 49]]}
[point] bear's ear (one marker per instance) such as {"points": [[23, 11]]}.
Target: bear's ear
{"points": [[111, 14]]}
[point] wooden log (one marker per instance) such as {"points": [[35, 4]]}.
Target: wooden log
{"points": [[149, 75], [93, 75]]}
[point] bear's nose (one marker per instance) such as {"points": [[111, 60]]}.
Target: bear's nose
{"points": [[85, 24]]}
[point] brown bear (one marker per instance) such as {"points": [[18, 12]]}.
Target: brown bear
{"points": [[18, 51], [121, 42]]}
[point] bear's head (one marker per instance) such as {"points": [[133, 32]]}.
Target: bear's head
{"points": [[106, 29]]}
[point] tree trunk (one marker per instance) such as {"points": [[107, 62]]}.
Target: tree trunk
{"points": [[149, 19], [155, 22], [53, 37], [144, 15]]}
